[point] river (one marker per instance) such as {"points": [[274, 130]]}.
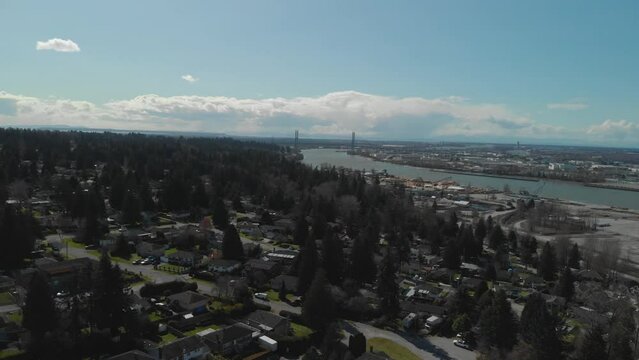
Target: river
{"points": [[551, 188]]}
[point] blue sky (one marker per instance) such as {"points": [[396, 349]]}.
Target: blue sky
{"points": [[558, 71]]}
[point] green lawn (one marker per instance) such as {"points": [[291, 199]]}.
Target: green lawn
{"points": [[155, 316], [201, 328], [130, 260], [15, 316], [72, 243], [301, 331], [6, 299], [391, 348], [170, 268], [170, 251], [273, 295], [9, 352], [167, 338], [227, 308]]}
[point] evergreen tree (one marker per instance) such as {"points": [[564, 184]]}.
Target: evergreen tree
{"points": [[199, 197], [333, 257], [512, 240], [232, 247], [452, 257], [357, 344], [593, 346], [498, 324], [363, 267], [547, 267], [220, 214], [539, 329], [109, 303], [282, 293], [308, 265], [497, 238], [18, 231], [621, 332], [131, 208], [480, 230], [387, 286], [565, 286], [39, 313], [300, 234], [574, 257], [318, 307]]}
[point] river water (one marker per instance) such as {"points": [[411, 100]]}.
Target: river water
{"points": [[551, 189]]}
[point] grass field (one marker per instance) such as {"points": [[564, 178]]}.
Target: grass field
{"points": [[301, 331], [201, 328], [167, 338], [15, 316], [9, 352], [6, 299], [391, 348]]}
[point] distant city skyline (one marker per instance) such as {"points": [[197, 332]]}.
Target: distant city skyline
{"points": [[492, 71]]}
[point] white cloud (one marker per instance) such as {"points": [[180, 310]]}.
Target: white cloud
{"points": [[190, 78], [572, 106], [615, 129], [335, 114], [59, 45]]}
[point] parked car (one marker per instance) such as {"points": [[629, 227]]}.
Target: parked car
{"points": [[261, 296], [91, 247], [462, 344]]}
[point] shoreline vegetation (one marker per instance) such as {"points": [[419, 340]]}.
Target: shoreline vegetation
{"points": [[602, 185]]}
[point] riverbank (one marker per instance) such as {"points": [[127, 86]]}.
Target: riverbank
{"points": [[613, 186], [554, 189]]}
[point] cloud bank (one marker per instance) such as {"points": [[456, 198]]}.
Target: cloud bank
{"points": [[58, 45], [332, 114], [189, 78]]}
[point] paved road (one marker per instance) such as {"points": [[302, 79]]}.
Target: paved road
{"points": [[432, 347], [146, 270], [277, 306]]}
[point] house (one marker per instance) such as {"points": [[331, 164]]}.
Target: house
{"points": [[269, 323], [554, 302], [188, 301], [589, 275], [269, 267], [6, 283], [188, 348], [473, 284], [282, 256], [229, 340], [139, 304], [422, 308], [146, 249], [290, 282], [534, 281], [251, 230], [68, 275], [224, 266], [132, 355], [184, 258], [286, 224]]}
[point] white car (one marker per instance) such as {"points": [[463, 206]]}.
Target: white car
{"points": [[261, 296], [461, 344]]}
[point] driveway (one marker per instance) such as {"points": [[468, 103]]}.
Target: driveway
{"points": [[432, 347]]}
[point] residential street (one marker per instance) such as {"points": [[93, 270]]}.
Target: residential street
{"points": [[146, 270], [433, 347]]}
